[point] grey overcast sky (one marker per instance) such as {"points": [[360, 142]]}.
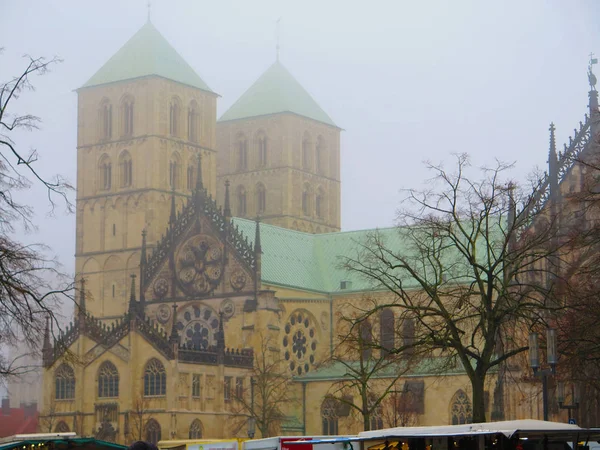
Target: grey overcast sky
{"points": [[407, 81]]}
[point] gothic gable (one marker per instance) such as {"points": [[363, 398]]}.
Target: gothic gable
{"points": [[201, 255]]}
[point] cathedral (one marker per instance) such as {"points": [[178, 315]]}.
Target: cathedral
{"points": [[196, 239]]}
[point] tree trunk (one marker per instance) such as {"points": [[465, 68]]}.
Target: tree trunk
{"points": [[477, 384]]}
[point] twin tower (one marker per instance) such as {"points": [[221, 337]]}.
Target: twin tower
{"points": [[143, 120]]}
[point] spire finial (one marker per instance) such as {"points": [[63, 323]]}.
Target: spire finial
{"points": [[227, 206], [277, 45], [173, 216], [552, 138], [199, 184], [591, 76], [257, 245], [149, 5], [174, 338], [132, 300], [82, 296]]}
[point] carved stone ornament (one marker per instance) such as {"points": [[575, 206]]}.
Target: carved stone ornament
{"points": [[106, 432], [161, 287], [163, 313], [228, 308], [299, 342], [238, 279], [199, 265], [197, 325]]}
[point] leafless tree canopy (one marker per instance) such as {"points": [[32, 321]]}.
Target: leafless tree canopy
{"points": [[462, 267], [31, 284]]}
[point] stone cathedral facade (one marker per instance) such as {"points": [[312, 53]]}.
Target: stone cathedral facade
{"points": [[179, 282]]}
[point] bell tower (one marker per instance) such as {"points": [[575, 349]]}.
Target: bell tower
{"points": [[143, 118], [281, 153]]}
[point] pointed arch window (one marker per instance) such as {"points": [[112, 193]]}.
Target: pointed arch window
{"points": [[306, 153], [108, 380], [242, 145], [387, 331], [106, 119], [196, 430], [174, 170], [126, 169], [319, 203], [320, 155], [127, 116], [105, 173], [241, 201], [155, 378], [366, 339], [261, 198], [376, 419], [191, 170], [461, 411], [329, 417], [174, 112], [64, 383], [193, 117], [306, 200], [153, 434], [61, 427], [261, 143]]}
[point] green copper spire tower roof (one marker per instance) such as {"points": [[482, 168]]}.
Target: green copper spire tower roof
{"points": [[147, 53], [276, 91]]}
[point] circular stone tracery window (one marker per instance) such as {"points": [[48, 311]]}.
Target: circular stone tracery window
{"points": [[299, 342], [197, 325]]}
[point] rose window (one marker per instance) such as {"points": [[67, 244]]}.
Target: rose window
{"points": [[197, 325], [199, 265], [300, 342]]}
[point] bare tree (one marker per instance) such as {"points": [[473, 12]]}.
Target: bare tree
{"points": [[138, 417], [31, 283], [49, 420], [270, 390], [460, 265], [370, 371]]}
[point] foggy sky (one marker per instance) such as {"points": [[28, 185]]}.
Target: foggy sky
{"points": [[407, 81]]}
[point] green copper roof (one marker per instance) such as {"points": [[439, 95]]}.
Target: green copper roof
{"points": [[147, 53], [314, 262], [276, 91]]}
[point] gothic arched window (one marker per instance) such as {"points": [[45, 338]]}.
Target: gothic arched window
{"points": [[261, 144], [106, 119], [126, 169], [366, 339], [152, 431], [319, 199], [306, 192], [241, 201], [320, 156], [108, 380], [61, 427], [242, 150], [191, 174], [155, 378], [329, 417], [174, 111], [261, 198], [174, 170], [196, 430], [65, 382], [387, 330], [127, 116], [193, 121], [306, 145], [105, 172], [461, 411]]}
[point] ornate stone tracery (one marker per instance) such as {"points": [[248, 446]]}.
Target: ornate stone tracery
{"points": [[300, 342]]}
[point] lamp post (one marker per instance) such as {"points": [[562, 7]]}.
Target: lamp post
{"points": [[534, 362], [252, 419], [574, 398]]}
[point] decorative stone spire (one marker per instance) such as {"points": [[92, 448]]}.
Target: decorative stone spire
{"points": [[227, 207], [133, 304], [47, 347], [593, 94], [82, 308], [143, 263], [221, 333], [553, 163], [174, 337], [257, 255], [199, 184], [173, 216]]}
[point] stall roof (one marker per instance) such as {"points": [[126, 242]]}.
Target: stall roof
{"points": [[61, 442], [524, 428]]}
